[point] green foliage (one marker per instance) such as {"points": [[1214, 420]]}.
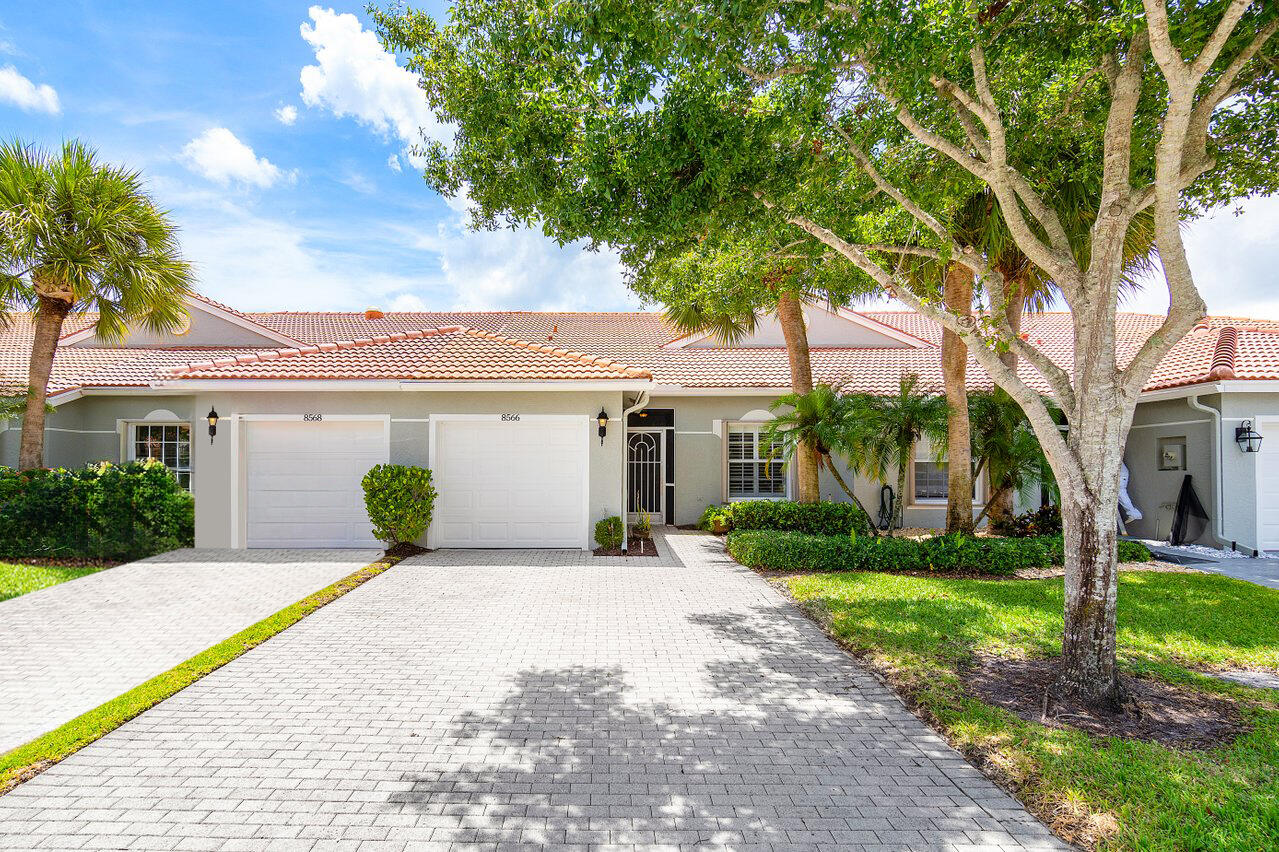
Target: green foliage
{"points": [[399, 499], [609, 532], [102, 511], [1046, 520], [825, 518], [1004, 444], [922, 631], [716, 519], [949, 554]]}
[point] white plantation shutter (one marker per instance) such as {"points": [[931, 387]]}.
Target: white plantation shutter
{"points": [[751, 472]]}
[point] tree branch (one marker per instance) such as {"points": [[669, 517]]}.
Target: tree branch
{"points": [[1031, 402]]}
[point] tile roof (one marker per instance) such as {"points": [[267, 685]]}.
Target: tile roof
{"points": [[537, 346], [449, 353]]}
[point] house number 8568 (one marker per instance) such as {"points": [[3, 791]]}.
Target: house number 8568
{"points": [[312, 418]]}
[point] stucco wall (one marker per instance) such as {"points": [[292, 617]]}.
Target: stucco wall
{"points": [[205, 330]]}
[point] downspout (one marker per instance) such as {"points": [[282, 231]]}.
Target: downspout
{"points": [[640, 402], [1219, 475]]}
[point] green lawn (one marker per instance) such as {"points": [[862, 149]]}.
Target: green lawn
{"points": [[1117, 793], [19, 579]]}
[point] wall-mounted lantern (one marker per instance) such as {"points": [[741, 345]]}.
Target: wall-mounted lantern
{"points": [[1248, 440], [213, 423], [602, 419]]}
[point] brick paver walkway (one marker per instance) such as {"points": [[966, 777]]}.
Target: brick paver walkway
{"points": [[470, 699], [66, 649]]}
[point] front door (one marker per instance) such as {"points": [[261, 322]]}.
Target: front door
{"points": [[646, 477]]}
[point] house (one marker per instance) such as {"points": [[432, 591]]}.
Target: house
{"points": [[537, 424]]}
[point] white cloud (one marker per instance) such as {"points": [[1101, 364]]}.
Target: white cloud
{"points": [[359, 182], [287, 115], [408, 302], [355, 77], [220, 156], [25, 95], [393, 163], [1235, 260]]}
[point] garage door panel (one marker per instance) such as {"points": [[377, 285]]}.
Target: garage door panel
{"points": [[1268, 486], [303, 482], [510, 484]]}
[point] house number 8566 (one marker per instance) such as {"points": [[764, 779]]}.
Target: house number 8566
{"points": [[510, 418]]}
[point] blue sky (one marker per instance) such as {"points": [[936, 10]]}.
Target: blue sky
{"points": [[276, 132]]}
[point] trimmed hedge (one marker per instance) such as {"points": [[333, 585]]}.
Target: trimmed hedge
{"points": [[102, 511], [944, 553], [825, 518]]}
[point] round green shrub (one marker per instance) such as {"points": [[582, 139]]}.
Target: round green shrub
{"points": [[608, 533], [399, 499]]}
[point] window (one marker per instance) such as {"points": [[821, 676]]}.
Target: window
{"points": [[752, 473], [932, 478], [169, 443]]}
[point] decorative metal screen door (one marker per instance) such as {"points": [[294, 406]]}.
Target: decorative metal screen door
{"points": [[645, 474]]}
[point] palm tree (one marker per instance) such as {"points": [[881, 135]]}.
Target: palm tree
{"points": [[730, 326], [1005, 446], [827, 422], [892, 426], [78, 235]]}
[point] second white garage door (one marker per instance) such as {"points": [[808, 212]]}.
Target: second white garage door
{"points": [[304, 481], [1268, 486], [509, 483]]}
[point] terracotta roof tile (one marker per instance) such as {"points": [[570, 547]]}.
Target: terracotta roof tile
{"points": [[535, 346]]}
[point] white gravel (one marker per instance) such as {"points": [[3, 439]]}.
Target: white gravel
{"points": [[1197, 550]]}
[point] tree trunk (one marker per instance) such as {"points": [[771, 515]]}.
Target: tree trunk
{"points": [[954, 354], [1088, 670], [790, 313], [50, 313]]}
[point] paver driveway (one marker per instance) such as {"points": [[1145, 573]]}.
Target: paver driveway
{"points": [[471, 699], [66, 649]]}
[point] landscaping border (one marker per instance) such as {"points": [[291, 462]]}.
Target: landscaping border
{"points": [[28, 760]]}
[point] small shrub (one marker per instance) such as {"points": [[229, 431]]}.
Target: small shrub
{"points": [[1046, 520], [608, 533], [101, 511], [825, 518], [716, 519], [400, 500]]}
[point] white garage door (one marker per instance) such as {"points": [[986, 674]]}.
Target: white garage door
{"points": [[304, 481], [1268, 486], [512, 483]]}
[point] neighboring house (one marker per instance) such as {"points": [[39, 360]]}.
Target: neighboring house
{"points": [[503, 407]]}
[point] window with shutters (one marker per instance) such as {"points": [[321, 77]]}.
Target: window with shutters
{"points": [[931, 478], [755, 469]]}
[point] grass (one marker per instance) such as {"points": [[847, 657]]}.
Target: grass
{"points": [[19, 579], [28, 760], [1100, 791]]}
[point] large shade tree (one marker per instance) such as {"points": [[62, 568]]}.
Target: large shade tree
{"points": [[644, 122], [78, 235]]}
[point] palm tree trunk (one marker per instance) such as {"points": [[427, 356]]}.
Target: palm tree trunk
{"points": [[50, 313], [790, 313], [905, 456], [1000, 504], [954, 354], [830, 465]]}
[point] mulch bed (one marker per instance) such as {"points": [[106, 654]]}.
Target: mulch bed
{"points": [[638, 547], [1154, 711], [60, 562], [405, 549]]}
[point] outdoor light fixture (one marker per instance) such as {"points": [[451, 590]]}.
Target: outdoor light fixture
{"points": [[1248, 440], [602, 419], [213, 423]]}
